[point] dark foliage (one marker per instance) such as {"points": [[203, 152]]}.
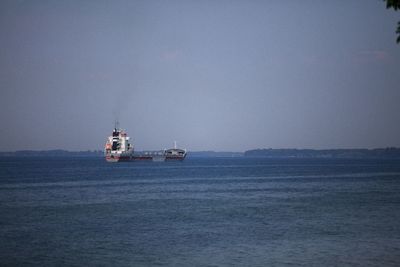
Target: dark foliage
{"points": [[390, 152], [395, 4], [398, 32]]}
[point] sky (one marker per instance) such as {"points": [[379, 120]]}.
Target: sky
{"points": [[212, 75]]}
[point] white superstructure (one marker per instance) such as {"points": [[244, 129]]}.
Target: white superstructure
{"points": [[118, 147]]}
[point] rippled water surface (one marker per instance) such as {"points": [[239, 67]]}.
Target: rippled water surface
{"points": [[200, 212]]}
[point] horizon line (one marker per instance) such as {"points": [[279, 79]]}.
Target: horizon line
{"points": [[218, 151]]}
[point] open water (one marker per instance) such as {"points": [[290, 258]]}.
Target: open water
{"points": [[200, 212]]}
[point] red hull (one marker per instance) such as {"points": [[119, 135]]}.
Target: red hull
{"points": [[117, 159], [140, 158], [143, 158]]}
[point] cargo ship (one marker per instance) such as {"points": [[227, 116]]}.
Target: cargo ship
{"points": [[118, 148]]}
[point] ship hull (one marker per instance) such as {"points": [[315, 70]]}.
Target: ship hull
{"points": [[143, 158], [118, 158], [178, 158]]}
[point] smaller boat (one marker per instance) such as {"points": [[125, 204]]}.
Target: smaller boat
{"points": [[175, 153]]}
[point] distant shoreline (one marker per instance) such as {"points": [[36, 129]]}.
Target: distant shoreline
{"points": [[390, 152]]}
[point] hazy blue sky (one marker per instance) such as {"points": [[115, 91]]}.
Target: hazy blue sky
{"points": [[220, 75]]}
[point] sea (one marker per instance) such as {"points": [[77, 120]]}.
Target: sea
{"points": [[199, 212]]}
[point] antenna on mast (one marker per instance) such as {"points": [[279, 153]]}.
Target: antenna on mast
{"points": [[174, 144], [116, 124]]}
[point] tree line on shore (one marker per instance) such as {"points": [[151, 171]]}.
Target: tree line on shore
{"points": [[390, 152]]}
